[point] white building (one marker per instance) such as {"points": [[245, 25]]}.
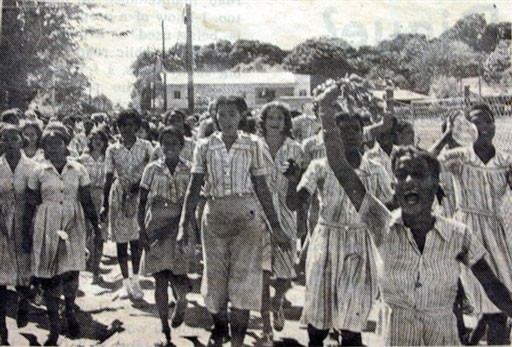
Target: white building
{"points": [[256, 87]]}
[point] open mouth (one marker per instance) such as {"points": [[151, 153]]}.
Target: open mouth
{"points": [[411, 197]]}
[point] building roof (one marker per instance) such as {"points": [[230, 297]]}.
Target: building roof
{"points": [[488, 89], [228, 77], [400, 95]]}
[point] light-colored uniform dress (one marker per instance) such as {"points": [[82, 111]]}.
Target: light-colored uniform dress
{"points": [[14, 261], [304, 126], [127, 166], [186, 153], [380, 156], [78, 143], [96, 170], [341, 274], [232, 223], [282, 262], [161, 184], [479, 190], [60, 209], [420, 287], [38, 156]]}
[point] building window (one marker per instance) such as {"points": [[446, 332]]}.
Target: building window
{"points": [[268, 94], [177, 94], [303, 92]]}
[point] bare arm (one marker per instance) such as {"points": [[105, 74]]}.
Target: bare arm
{"points": [[109, 179], [189, 205], [141, 216], [495, 290], [343, 171], [33, 198], [304, 200], [265, 198], [90, 212]]}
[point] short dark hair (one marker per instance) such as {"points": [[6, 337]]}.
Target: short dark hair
{"points": [[8, 126], [344, 117], [417, 153], [170, 113], [484, 108], [240, 105], [125, 115], [102, 135], [34, 125], [173, 131], [11, 116], [285, 110]]}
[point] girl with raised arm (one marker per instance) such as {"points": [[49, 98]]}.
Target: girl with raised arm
{"points": [[422, 251]]}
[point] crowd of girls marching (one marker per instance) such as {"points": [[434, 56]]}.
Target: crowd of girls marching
{"points": [[371, 216]]}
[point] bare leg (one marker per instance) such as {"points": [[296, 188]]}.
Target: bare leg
{"points": [[122, 258], [239, 323], [3, 307], [162, 301], [136, 252], [265, 303]]}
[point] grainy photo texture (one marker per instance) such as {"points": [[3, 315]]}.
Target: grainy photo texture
{"points": [[255, 173]]}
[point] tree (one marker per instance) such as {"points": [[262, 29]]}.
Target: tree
{"points": [[39, 52], [498, 67], [324, 56]]}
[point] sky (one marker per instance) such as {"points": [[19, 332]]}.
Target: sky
{"points": [[284, 23]]}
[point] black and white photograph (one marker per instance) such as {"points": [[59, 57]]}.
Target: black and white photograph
{"points": [[255, 173]]}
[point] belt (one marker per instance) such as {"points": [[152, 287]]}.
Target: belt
{"points": [[478, 211], [232, 196], [343, 226]]}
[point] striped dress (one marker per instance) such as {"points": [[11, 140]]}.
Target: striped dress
{"points": [[186, 152], [479, 191], [128, 166], [14, 261], [341, 274], [420, 287], [282, 261], [304, 126]]}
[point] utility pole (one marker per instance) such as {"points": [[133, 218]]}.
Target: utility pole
{"points": [[1, 10], [189, 58], [163, 68]]}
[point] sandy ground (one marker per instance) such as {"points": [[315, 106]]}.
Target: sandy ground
{"points": [[103, 307]]}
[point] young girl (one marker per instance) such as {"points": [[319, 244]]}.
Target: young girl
{"points": [[422, 252], [341, 274], [284, 160], [176, 118], [163, 188], [15, 169], [32, 144], [58, 194], [233, 167], [126, 159], [481, 175], [94, 162]]}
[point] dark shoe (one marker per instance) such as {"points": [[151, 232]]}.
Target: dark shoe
{"points": [[218, 337], [178, 315], [52, 339], [97, 279], [278, 317], [4, 341], [22, 314], [73, 324]]}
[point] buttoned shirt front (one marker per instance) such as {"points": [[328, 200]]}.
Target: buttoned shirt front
{"points": [[422, 281], [229, 172], [128, 164], [159, 181]]}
